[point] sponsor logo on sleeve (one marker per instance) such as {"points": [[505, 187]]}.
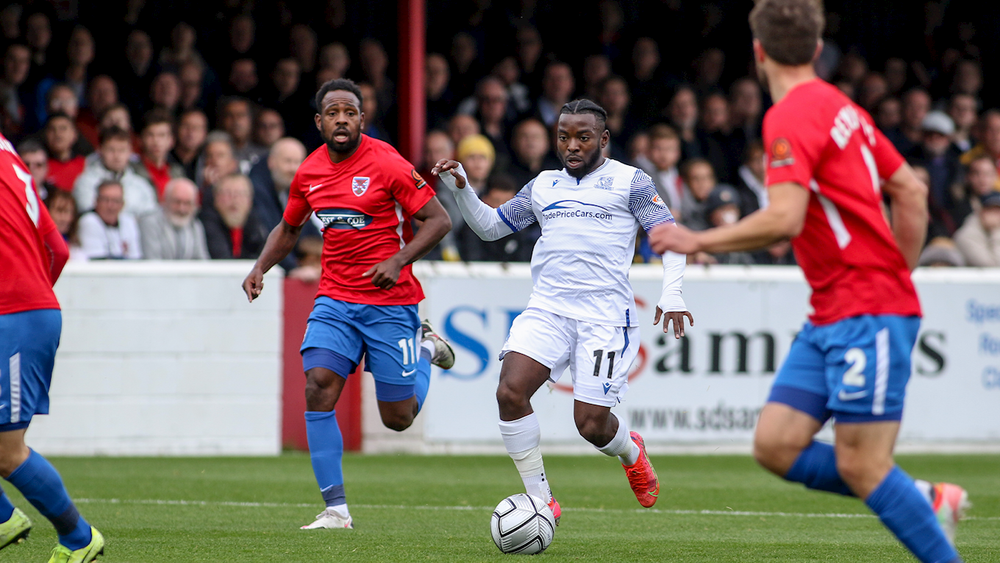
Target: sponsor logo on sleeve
{"points": [[360, 185], [418, 181], [781, 153]]}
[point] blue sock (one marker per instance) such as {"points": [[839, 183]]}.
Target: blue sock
{"points": [[40, 483], [6, 508], [423, 380], [816, 468], [908, 515], [326, 450]]}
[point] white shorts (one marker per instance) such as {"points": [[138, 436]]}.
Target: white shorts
{"points": [[599, 357]]}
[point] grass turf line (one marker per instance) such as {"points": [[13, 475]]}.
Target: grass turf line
{"points": [[436, 508]]}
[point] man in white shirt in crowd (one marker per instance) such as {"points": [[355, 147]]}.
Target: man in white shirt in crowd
{"points": [[108, 232]]}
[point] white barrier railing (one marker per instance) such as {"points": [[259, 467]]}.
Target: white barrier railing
{"points": [[164, 358]]}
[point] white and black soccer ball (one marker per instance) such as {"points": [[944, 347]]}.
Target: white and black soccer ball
{"points": [[522, 523]]}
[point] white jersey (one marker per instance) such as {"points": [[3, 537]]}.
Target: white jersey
{"points": [[580, 265]]}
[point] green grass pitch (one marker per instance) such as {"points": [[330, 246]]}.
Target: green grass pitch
{"points": [[437, 508]]}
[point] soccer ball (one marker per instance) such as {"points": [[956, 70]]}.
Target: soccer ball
{"points": [[522, 523]]}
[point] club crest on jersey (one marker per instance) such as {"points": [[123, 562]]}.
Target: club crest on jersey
{"points": [[605, 183], [360, 185]]}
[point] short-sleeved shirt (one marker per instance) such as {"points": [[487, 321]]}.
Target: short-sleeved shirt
{"points": [[365, 203], [25, 284], [817, 138]]}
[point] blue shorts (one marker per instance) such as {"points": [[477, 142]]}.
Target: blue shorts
{"points": [[28, 343], [339, 333], [855, 370]]}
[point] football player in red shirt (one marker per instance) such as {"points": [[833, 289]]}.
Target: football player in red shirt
{"points": [[827, 167], [365, 194], [33, 254]]}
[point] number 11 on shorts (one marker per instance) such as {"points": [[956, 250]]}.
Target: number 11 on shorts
{"points": [[598, 356], [409, 350]]}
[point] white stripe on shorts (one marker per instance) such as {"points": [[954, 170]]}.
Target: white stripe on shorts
{"points": [[15, 388], [881, 370]]}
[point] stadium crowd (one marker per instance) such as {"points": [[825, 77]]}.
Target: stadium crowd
{"points": [[160, 136]]}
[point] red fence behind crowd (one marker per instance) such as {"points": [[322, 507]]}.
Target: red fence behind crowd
{"points": [[298, 304]]}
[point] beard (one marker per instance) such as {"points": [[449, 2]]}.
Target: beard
{"points": [[589, 165], [179, 221], [347, 146]]}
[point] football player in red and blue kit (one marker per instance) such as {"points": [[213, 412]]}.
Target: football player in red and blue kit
{"points": [[33, 254], [366, 195], [827, 168]]}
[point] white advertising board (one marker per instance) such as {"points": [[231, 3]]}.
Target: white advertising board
{"points": [[708, 388]]}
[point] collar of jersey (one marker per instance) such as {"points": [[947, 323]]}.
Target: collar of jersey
{"points": [[567, 176]]}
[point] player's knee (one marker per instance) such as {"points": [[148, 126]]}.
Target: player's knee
{"points": [[593, 430], [397, 421], [509, 398], [774, 453]]}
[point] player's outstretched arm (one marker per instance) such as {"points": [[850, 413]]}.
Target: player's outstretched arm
{"points": [[671, 307], [481, 218], [279, 243], [435, 225], [782, 219], [908, 196]]}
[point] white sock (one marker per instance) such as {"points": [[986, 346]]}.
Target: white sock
{"points": [[925, 489], [340, 509], [521, 438], [622, 445]]}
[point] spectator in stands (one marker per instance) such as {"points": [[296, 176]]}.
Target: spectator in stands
{"points": [[119, 116], [873, 88], [243, 80], [465, 65], [968, 78], [981, 179], [614, 98], [989, 139], [638, 148], [596, 69], [285, 95], [369, 106], [896, 72], [750, 184], [16, 64], [113, 164], [518, 97], [888, 113], [102, 93], [236, 119], [916, 104], [218, 161], [157, 139], [745, 107], [979, 237], [715, 137], [173, 231], [940, 158], [699, 181], [38, 35], [532, 154], [137, 72], [64, 165], [62, 99], [683, 114], [192, 77], [476, 154], [108, 232], [374, 62], [268, 127], [962, 109], [302, 45], [272, 178], [336, 59], [192, 129], [528, 52], [722, 207], [664, 155], [495, 115], [439, 99], [461, 126], [231, 229], [182, 49], [62, 208], [438, 146], [557, 89], [79, 56], [514, 248], [33, 154], [165, 92], [648, 80]]}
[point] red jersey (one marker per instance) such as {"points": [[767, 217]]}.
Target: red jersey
{"points": [[365, 203], [25, 281], [817, 138]]}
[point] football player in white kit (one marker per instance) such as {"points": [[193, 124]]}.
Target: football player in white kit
{"points": [[581, 314]]}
